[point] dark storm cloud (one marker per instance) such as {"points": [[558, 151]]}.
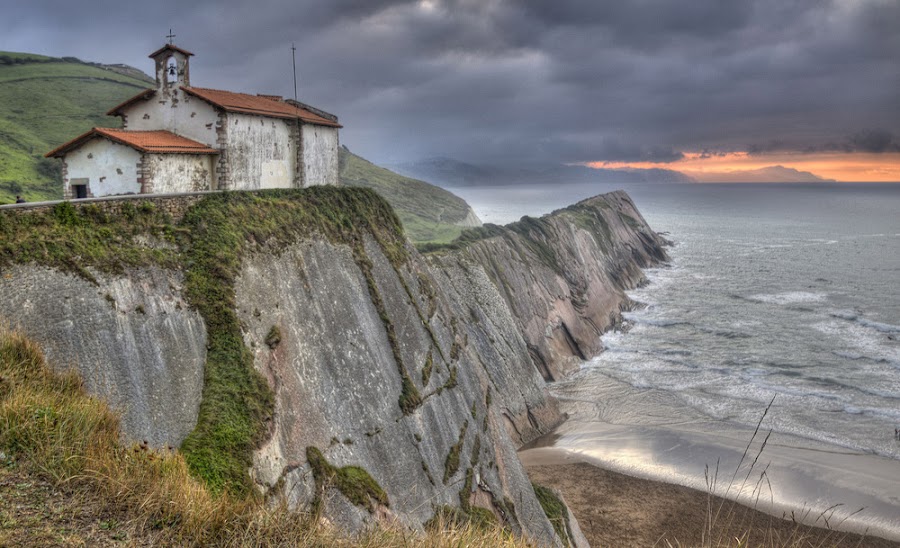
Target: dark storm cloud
{"points": [[875, 140], [872, 140], [528, 80]]}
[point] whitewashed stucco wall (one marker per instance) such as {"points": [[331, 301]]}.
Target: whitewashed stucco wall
{"points": [[260, 152], [181, 114], [320, 155], [180, 172], [109, 167]]}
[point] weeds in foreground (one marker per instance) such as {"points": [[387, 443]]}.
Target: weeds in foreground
{"points": [[52, 430], [749, 481]]}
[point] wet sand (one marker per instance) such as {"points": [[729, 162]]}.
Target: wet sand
{"points": [[652, 434], [650, 480], [617, 510]]}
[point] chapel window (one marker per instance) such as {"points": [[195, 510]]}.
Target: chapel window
{"points": [[171, 71]]}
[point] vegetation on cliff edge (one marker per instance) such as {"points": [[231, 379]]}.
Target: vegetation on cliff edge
{"points": [[353, 482], [555, 510], [209, 243], [66, 480], [46, 101]]}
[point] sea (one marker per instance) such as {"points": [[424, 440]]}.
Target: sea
{"points": [[780, 309]]}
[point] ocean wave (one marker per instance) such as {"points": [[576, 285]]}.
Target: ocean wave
{"points": [[674, 352], [852, 316], [656, 322], [854, 356], [868, 391], [742, 405], [863, 341], [725, 333], [761, 387], [848, 315], [787, 297], [891, 414], [788, 366], [802, 391], [863, 390], [878, 326], [731, 410]]}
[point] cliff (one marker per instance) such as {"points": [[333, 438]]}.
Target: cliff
{"points": [[564, 275], [297, 335]]}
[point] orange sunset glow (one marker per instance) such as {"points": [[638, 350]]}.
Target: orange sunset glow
{"points": [[840, 166]]}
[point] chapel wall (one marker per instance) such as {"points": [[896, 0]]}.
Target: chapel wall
{"points": [[180, 113], [260, 152], [170, 173], [320, 155], [106, 167]]}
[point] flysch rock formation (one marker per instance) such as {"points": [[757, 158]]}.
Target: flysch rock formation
{"points": [[477, 330], [331, 392], [132, 339], [564, 275]]}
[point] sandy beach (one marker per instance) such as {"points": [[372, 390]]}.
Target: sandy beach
{"points": [[618, 510], [651, 434]]}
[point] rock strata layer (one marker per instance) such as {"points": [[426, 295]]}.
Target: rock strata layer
{"points": [[425, 375], [564, 275]]}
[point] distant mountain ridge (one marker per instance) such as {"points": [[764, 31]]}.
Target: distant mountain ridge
{"points": [[771, 174], [449, 172], [452, 173]]}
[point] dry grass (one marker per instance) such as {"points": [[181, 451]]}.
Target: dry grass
{"points": [[728, 523], [56, 442]]}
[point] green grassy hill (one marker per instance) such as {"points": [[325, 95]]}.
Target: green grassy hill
{"points": [[44, 102], [428, 213]]}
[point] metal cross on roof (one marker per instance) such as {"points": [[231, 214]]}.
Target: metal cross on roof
{"points": [[171, 37]]}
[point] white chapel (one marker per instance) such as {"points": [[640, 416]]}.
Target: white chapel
{"points": [[179, 138]]}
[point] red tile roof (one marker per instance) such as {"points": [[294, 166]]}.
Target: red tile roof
{"points": [[156, 142], [171, 47], [263, 105]]}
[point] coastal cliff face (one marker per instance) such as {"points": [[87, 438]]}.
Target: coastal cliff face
{"points": [[132, 338], [338, 378], [564, 276], [395, 384]]}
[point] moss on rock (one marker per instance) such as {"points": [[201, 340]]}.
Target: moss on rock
{"points": [[451, 462], [555, 510], [208, 244], [353, 482]]}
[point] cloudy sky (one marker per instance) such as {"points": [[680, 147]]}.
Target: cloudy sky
{"points": [[680, 84]]}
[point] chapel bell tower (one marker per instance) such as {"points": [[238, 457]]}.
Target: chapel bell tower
{"points": [[172, 67]]}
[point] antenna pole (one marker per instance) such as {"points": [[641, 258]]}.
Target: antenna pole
{"points": [[294, 60]]}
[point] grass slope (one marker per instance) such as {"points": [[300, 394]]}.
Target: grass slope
{"points": [[44, 102], [428, 213], [209, 244], [65, 480]]}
